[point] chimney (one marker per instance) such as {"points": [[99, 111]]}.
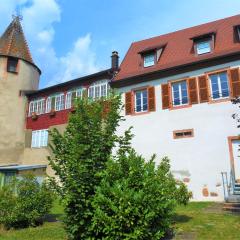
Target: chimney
{"points": [[115, 61]]}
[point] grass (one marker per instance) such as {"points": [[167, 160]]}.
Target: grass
{"points": [[196, 221], [206, 221]]}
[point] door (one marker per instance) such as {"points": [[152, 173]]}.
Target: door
{"points": [[236, 158]]}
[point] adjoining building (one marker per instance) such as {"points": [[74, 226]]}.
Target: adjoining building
{"points": [[177, 92], [176, 88]]}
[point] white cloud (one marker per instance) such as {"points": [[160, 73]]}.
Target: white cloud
{"points": [[79, 61], [38, 19]]}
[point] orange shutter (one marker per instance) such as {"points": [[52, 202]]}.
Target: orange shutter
{"points": [[203, 89], [151, 99], [235, 82], [192, 91], [165, 96], [128, 103]]}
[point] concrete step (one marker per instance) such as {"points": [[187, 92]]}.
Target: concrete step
{"points": [[233, 207], [233, 199]]}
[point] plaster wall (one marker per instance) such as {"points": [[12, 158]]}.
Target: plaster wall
{"points": [[198, 160]]}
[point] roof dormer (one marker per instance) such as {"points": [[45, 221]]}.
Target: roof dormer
{"points": [[204, 43], [151, 55]]}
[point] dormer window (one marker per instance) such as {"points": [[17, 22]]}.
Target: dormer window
{"points": [[237, 33], [12, 64], [151, 55], [149, 59], [203, 47], [204, 43]]}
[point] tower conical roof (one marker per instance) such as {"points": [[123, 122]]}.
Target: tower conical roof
{"points": [[13, 42]]}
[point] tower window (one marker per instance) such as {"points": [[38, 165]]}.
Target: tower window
{"points": [[12, 64]]}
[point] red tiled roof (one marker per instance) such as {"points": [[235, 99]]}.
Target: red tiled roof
{"points": [[179, 47], [13, 42]]}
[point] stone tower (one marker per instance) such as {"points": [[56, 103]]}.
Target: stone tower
{"points": [[18, 74]]}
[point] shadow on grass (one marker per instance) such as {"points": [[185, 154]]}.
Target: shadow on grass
{"points": [[52, 218], [180, 218]]}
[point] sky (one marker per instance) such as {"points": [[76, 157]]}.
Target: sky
{"points": [[74, 38]]}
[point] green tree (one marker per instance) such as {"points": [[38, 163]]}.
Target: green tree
{"points": [[79, 155]]}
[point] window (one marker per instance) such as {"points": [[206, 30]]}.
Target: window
{"points": [[48, 104], [12, 64], [36, 106], [203, 47], [59, 102], [236, 30], [98, 89], [183, 133], [39, 138], [219, 85], [149, 59], [141, 101], [68, 101], [179, 93]]}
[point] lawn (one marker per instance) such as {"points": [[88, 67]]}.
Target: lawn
{"points": [[195, 221]]}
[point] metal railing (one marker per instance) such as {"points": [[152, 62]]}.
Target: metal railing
{"points": [[228, 184]]}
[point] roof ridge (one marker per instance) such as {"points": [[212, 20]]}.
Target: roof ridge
{"points": [[187, 28], [13, 42]]}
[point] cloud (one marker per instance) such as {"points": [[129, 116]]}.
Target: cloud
{"points": [[39, 17], [80, 60]]}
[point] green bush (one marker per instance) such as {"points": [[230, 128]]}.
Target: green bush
{"points": [[136, 199], [24, 202]]}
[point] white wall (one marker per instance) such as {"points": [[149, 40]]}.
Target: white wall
{"points": [[201, 158]]}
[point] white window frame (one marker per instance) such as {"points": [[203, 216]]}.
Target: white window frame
{"points": [[201, 51], [180, 93], [135, 102], [68, 100], [48, 104], [36, 106], [59, 102], [219, 85], [98, 89], [39, 138], [145, 62]]}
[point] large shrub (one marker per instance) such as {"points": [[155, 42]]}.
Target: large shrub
{"points": [[79, 155], [24, 202], [136, 199]]}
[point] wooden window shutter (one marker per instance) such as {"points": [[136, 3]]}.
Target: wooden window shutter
{"points": [[151, 99], [28, 138], [203, 89], [235, 82], [192, 91], [53, 103], [128, 103], [74, 95], [166, 103]]}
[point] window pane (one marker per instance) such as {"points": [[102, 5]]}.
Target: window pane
{"points": [[224, 84], [141, 100], [149, 60], [68, 102], [180, 94], [203, 47], [215, 87], [39, 138]]}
